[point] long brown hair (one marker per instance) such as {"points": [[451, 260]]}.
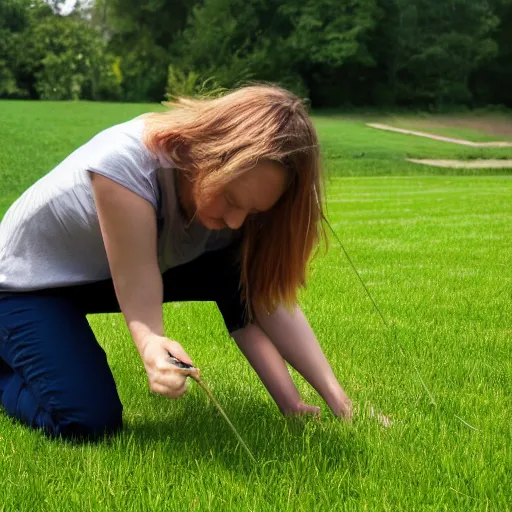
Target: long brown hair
{"points": [[217, 140]]}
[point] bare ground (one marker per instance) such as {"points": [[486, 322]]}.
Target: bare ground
{"points": [[440, 137], [499, 126], [473, 164]]}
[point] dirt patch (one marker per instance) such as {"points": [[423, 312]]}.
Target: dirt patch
{"points": [[497, 126], [500, 144], [473, 164]]}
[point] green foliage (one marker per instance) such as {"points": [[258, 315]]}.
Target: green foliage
{"points": [[225, 39], [143, 67], [181, 84], [329, 32], [53, 57], [8, 86], [419, 53], [13, 21], [70, 61], [437, 47], [142, 33], [285, 42], [492, 81]]}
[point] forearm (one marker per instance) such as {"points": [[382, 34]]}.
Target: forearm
{"points": [[140, 300], [129, 230], [296, 342], [269, 365]]}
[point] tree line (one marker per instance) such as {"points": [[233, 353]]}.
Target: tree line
{"points": [[411, 53]]}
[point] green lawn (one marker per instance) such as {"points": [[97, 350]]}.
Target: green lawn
{"points": [[353, 149], [435, 251], [477, 126]]}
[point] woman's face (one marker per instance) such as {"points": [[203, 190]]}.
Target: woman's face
{"points": [[256, 191]]}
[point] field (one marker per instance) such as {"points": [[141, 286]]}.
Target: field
{"points": [[434, 248]]}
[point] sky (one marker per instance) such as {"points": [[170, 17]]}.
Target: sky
{"points": [[68, 5]]}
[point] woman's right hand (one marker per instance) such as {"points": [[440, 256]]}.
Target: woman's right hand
{"points": [[164, 377]]}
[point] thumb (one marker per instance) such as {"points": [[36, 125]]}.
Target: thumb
{"points": [[176, 350]]}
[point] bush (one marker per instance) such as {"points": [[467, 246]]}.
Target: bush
{"points": [[69, 61], [191, 84]]}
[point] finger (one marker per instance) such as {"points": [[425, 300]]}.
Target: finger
{"points": [[172, 380], [177, 392], [308, 409], [302, 409], [177, 351], [166, 366], [159, 389], [167, 391], [346, 412], [187, 372]]}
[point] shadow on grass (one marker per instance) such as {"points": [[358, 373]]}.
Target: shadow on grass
{"points": [[200, 433], [193, 430]]}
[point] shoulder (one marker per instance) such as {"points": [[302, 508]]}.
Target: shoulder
{"points": [[119, 153], [124, 136], [121, 144]]}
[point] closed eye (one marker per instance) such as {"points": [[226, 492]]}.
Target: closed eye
{"points": [[231, 202]]}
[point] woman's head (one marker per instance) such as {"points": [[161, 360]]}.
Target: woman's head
{"points": [[253, 192], [252, 157]]}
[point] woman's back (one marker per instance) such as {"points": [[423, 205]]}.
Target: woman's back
{"points": [[51, 237]]}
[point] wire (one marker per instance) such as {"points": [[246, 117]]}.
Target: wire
{"points": [[390, 326]]}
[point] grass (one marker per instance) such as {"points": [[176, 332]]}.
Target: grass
{"points": [[353, 149], [434, 250]]}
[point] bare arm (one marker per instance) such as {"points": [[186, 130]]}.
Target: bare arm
{"points": [[272, 370], [296, 342], [128, 227]]}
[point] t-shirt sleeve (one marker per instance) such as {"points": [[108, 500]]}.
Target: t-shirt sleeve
{"points": [[122, 157]]}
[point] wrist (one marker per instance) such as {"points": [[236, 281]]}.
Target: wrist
{"points": [[142, 339]]}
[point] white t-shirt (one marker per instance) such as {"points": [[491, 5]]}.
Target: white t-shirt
{"points": [[50, 237]]}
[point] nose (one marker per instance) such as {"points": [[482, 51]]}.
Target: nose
{"points": [[235, 218]]}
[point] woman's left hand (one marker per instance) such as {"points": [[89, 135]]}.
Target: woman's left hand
{"points": [[341, 406], [302, 409]]}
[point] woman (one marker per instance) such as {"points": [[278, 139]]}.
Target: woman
{"points": [[216, 200]]}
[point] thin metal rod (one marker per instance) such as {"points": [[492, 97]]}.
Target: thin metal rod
{"points": [[209, 393], [391, 326]]}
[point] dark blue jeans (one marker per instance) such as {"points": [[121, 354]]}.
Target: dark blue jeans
{"points": [[53, 373]]}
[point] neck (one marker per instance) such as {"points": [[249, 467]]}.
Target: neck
{"points": [[185, 196]]}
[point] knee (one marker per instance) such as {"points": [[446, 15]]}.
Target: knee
{"points": [[89, 423]]}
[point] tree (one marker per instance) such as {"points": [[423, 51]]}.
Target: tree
{"points": [[355, 52], [66, 59], [330, 39], [492, 81], [14, 18], [434, 47], [141, 33], [300, 44]]}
